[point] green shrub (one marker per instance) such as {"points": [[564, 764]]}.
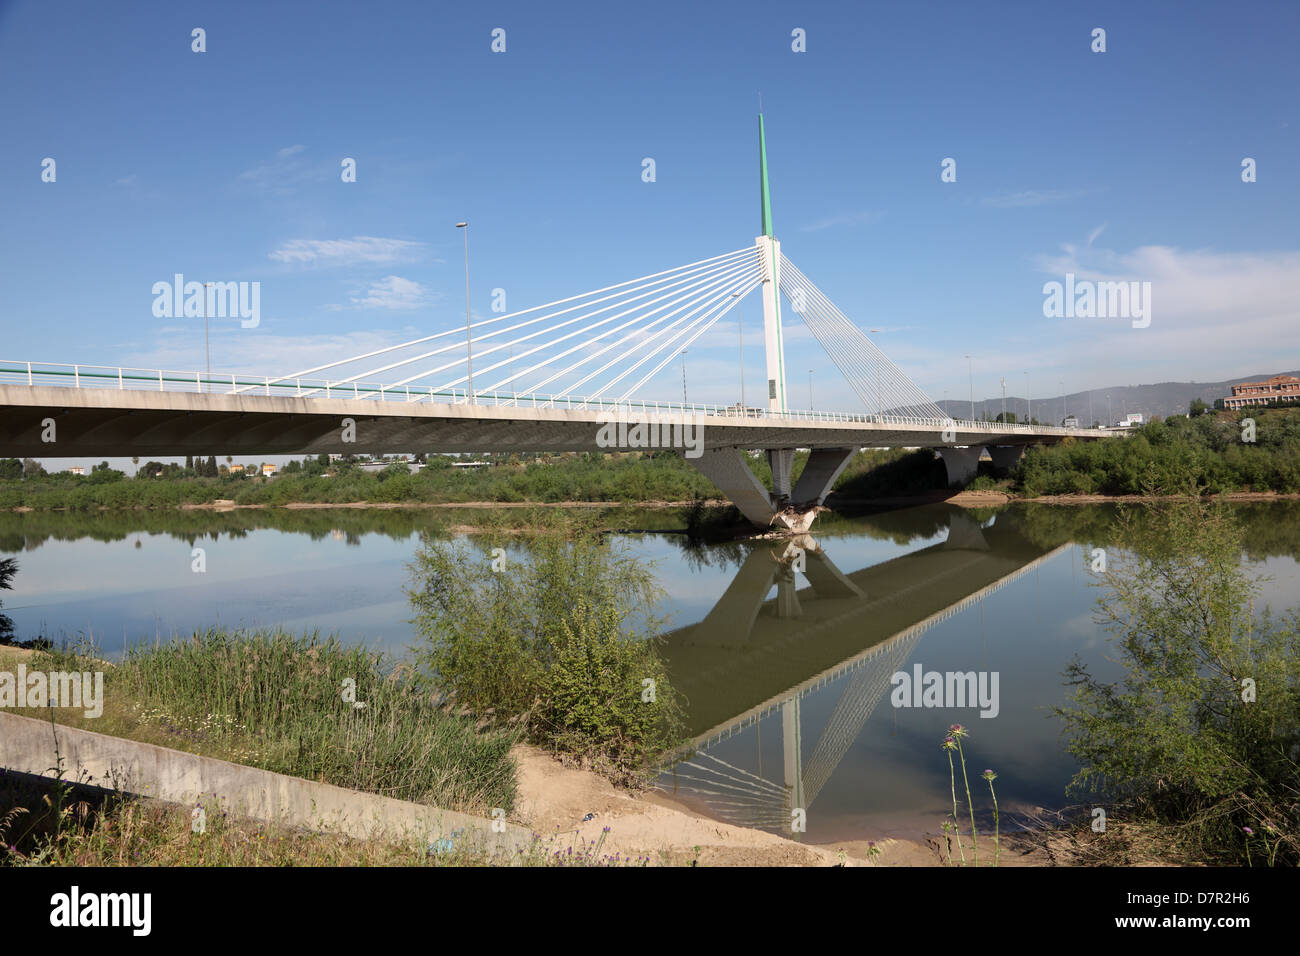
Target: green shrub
{"points": [[561, 638]]}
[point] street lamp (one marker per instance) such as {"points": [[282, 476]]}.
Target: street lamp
{"points": [[740, 337], [1029, 405], [683, 379], [1065, 413], [880, 409], [810, 401], [970, 371], [1004, 400], [469, 355]]}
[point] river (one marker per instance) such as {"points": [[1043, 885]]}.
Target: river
{"points": [[786, 652]]}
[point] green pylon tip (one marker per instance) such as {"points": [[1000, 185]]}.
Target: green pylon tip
{"points": [[765, 192]]}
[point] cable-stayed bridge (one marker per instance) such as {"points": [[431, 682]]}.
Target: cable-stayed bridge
{"points": [[569, 375]]}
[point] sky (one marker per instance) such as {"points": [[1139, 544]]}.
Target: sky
{"points": [[225, 165]]}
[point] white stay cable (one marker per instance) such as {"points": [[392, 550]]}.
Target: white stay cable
{"points": [[639, 333], [869, 371], [545, 345], [670, 345], [620, 299], [729, 304], [512, 315], [692, 319]]}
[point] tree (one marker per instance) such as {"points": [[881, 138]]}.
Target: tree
{"points": [[1196, 408], [1183, 732], [210, 469], [189, 462], [32, 468], [8, 568], [11, 469]]}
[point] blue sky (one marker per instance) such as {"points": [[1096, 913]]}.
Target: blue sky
{"points": [[225, 166]]}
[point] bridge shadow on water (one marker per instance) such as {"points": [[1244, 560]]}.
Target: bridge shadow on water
{"points": [[839, 636]]}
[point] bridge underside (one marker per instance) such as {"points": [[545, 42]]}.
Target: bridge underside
{"points": [[53, 422]]}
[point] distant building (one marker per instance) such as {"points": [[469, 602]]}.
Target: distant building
{"points": [[374, 467], [236, 469], [1129, 421], [268, 470], [1279, 388], [76, 470]]}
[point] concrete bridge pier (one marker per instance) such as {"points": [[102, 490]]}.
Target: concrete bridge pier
{"points": [[727, 468], [818, 476], [781, 461], [961, 463], [1006, 457], [783, 508]]}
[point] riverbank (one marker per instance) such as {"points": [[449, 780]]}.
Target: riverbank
{"points": [[976, 498]]}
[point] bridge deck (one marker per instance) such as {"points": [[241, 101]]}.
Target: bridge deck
{"points": [[105, 422]]}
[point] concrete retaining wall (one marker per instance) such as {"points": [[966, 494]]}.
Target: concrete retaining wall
{"points": [[27, 745]]}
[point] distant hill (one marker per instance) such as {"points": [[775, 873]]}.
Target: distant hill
{"points": [[1163, 399]]}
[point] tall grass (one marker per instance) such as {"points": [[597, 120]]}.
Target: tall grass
{"points": [[292, 703]]}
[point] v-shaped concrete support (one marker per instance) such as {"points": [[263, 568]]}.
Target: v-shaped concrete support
{"points": [[785, 508]]}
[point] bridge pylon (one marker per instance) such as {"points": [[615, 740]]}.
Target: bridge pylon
{"points": [[769, 248]]}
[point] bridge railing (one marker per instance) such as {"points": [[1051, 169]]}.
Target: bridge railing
{"points": [[122, 378]]}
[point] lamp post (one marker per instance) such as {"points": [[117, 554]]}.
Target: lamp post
{"points": [[810, 400], [1004, 399], [880, 409], [1065, 412], [1029, 405], [683, 379], [469, 355], [740, 338], [970, 371]]}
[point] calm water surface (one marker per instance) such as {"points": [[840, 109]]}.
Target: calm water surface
{"points": [[785, 661]]}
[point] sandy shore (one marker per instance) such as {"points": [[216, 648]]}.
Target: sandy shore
{"points": [[553, 799]]}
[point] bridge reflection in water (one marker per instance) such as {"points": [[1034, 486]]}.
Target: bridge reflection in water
{"points": [[752, 656]]}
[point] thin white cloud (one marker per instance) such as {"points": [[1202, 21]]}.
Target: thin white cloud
{"points": [[359, 250], [1213, 315], [1092, 236], [393, 292], [288, 168], [1032, 197], [864, 218], [259, 351]]}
